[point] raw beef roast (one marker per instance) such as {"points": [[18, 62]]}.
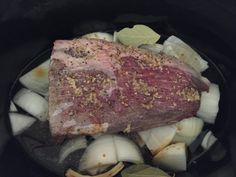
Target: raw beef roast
{"points": [[98, 86]]}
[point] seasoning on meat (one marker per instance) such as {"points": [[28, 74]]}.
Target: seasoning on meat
{"points": [[97, 86]]}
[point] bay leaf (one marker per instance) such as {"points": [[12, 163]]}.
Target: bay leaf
{"points": [[143, 170], [138, 35]]}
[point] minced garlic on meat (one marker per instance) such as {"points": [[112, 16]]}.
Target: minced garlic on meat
{"points": [[189, 94], [78, 90]]}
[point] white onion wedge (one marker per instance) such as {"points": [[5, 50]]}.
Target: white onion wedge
{"points": [[155, 48], [176, 47], [126, 150], [99, 35], [173, 157], [99, 153], [188, 130], [115, 170], [72, 145], [13, 107], [37, 79], [107, 150], [209, 105], [20, 122], [158, 138], [208, 140], [32, 103]]}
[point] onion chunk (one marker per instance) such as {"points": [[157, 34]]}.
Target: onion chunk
{"points": [[176, 47], [20, 122], [208, 140], [71, 146], [32, 103], [173, 157], [209, 105], [188, 130], [37, 79], [13, 107], [107, 150], [158, 138]]}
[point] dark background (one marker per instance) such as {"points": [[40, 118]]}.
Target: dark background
{"points": [[28, 27]]}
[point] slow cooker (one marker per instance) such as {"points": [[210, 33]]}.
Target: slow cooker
{"points": [[29, 28]]}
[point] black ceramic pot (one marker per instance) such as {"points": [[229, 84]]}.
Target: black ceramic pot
{"points": [[28, 29]]}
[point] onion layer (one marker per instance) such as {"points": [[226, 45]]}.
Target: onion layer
{"points": [[209, 105], [37, 79], [176, 47], [188, 130], [158, 138], [32, 103], [173, 157], [71, 146], [208, 140], [12, 107], [107, 150], [20, 122]]}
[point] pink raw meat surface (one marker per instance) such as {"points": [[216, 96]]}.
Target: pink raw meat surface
{"points": [[97, 86]]}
